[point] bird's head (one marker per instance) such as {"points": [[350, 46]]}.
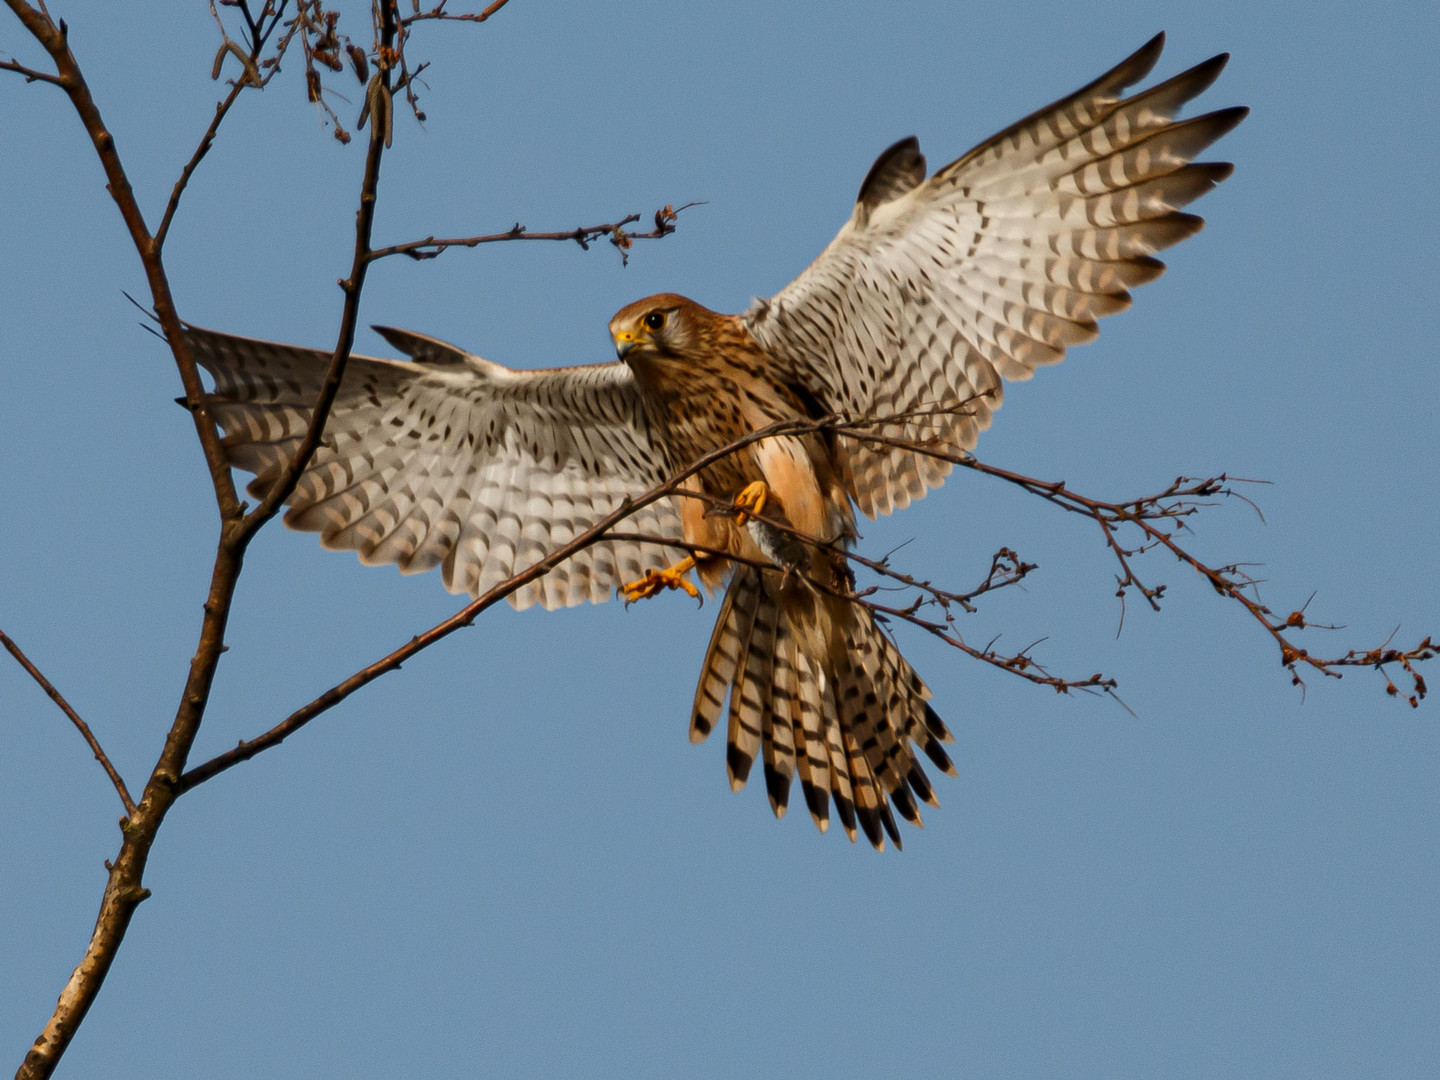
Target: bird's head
{"points": [[659, 327]]}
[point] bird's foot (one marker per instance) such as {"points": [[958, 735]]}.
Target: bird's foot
{"points": [[751, 501], [672, 577]]}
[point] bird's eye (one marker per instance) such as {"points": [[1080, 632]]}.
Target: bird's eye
{"points": [[654, 321]]}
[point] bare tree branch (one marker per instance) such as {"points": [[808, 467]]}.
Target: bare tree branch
{"points": [[1177, 502], [585, 235], [80, 725], [53, 37], [124, 890], [31, 75], [439, 12]]}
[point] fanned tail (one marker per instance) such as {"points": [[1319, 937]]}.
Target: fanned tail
{"points": [[816, 689]]}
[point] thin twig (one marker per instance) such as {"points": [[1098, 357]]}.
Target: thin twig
{"points": [[1178, 501], [80, 725], [258, 37], [1021, 663], [584, 235], [438, 12], [284, 484], [31, 75]]}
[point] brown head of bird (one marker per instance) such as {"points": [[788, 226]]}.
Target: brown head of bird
{"points": [[666, 326]]}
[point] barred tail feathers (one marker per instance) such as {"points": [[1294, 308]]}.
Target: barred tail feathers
{"points": [[816, 690]]}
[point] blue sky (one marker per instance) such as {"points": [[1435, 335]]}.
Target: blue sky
{"points": [[507, 858]]}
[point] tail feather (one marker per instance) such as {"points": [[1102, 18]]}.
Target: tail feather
{"points": [[922, 724], [910, 707], [842, 791], [868, 797], [815, 689], [743, 742], [721, 657], [882, 713], [781, 729], [810, 752], [867, 720]]}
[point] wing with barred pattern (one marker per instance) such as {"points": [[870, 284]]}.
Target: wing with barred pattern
{"points": [[937, 290], [449, 460]]}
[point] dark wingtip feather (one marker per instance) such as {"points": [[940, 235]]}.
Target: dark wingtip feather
{"points": [[1227, 120], [1192, 82], [900, 168], [1134, 67]]}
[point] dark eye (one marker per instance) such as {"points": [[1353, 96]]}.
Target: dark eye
{"points": [[654, 321]]}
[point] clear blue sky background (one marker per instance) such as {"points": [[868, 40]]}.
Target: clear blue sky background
{"points": [[507, 859]]}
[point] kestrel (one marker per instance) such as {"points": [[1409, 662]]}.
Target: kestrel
{"points": [[933, 294]]}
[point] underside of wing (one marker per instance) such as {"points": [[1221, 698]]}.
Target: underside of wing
{"points": [[450, 460], [938, 290]]}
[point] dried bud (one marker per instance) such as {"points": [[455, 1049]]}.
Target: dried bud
{"points": [[312, 85], [358, 62]]}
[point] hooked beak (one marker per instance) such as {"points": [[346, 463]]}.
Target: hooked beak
{"points": [[625, 340]]}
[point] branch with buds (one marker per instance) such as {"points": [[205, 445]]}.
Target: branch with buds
{"points": [[616, 232]]}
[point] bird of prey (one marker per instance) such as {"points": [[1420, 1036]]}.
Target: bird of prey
{"points": [[935, 292]]}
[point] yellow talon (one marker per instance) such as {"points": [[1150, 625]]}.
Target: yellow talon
{"points": [[672, 577], [751, 501]]}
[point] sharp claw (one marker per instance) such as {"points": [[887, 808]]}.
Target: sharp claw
{"points": [[672, 577]]}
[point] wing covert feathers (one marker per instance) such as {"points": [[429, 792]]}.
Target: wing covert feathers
{"points": [[937, 291]]}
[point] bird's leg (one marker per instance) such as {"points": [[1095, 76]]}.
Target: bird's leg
{"points": [[751, 501], [672, 577]]}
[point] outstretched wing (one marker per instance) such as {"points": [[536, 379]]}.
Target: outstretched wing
{"points": [[450, 460], [936, 290]]}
